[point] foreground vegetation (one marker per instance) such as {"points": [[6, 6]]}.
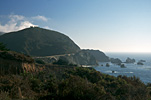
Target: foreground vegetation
{"points": [[72, 83], [61, 81]]}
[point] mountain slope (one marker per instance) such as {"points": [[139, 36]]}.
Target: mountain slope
{"points": [[39, 42], [1, 33]]}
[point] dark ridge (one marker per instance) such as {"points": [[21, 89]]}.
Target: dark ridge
{"points": [[36, 41]]}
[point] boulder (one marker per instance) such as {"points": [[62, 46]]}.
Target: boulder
{"points": [[115, 61], [123, 66], [140, 63], [129, 60], [107, 65], [113, 71]]}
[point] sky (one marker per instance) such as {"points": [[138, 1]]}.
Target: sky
{"points": [[107, 25]]}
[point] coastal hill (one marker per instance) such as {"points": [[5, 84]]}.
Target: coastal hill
{"points": [[99, 55], [80, 58], [36, 41], [42, 44]]}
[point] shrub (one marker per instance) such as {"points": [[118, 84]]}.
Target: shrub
{"points": [[39, 61], [61, 62], [3, 47]]}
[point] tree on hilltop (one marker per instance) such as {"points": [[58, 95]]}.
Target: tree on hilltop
{"points": [[3, 47]]}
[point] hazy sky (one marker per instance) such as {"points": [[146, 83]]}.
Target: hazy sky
{"points": [[108, 25]]}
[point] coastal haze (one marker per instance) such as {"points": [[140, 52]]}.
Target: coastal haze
{"points": [[75, 50]]}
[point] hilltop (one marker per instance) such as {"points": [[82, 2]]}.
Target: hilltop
{"points": [[37, 41]]}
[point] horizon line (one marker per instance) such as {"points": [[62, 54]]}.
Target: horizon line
{"points": [[127, 52]]}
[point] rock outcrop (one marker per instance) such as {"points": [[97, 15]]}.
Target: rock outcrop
{"points": [[115, 61], [99, 55], [139, 63], [129, 60], [142, 61], [15, 63], [123, 66], [107, 65]]}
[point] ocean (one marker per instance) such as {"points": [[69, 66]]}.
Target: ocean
{"points": [[141, 71]]}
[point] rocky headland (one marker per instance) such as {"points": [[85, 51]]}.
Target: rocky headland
{"points": [[79, 58], [115, 61], [99, 55]]}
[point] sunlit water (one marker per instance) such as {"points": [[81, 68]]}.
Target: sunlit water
{"points": [[141, 71]]}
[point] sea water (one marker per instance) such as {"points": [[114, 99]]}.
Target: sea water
{"points": [[141, 71]]}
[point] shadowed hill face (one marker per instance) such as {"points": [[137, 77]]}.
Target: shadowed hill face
{"points": [[1, 33], [39, 42]]}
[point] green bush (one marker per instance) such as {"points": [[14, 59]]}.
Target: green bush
{"points": [[61, 62], [72, 83], [39, 61], [3, 47], [77, 88]]}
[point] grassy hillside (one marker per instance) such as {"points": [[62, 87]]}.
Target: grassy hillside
{"points": [[39, 42]]}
